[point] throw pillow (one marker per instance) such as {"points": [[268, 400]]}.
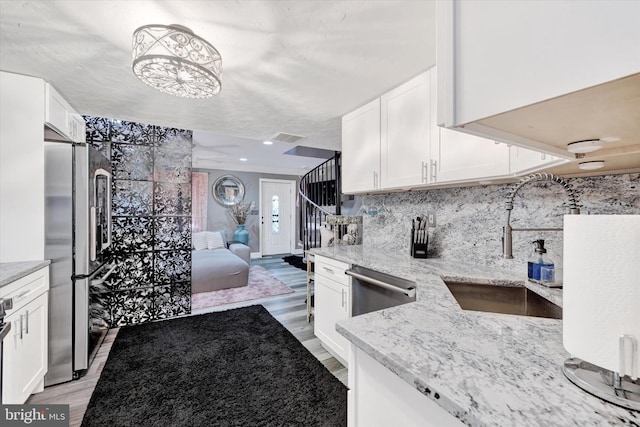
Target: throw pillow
{"points": [[199, 240], [223, 232], [214, 240]]}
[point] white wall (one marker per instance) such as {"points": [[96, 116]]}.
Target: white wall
{"points": [[21, 168]]}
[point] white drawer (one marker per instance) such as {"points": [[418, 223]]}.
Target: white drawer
{"points": [[332, 269], [26, 289]]}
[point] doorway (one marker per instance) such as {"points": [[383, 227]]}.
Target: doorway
{"points": [[277, 216]]}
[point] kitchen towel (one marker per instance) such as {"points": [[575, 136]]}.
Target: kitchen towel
{"points": [[601, 296]]}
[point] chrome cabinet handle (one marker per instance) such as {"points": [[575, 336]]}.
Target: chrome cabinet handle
{"points": [[328, 270], [424, 173], [434, 170], [342, 297], [26, 323], [21, 322]]}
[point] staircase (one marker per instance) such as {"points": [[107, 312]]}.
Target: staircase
{"points": [[320, 192]]}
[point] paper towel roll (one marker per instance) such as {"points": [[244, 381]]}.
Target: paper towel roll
{"points": [[601, 295]]}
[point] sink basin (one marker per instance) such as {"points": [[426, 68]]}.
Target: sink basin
{"points": [[503, 299]]}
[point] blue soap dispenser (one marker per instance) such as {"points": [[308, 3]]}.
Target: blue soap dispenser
{"points": [[538, 260]]}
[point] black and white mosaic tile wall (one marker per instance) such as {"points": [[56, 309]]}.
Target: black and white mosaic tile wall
{"points": [[470, 220], [151, 203]]}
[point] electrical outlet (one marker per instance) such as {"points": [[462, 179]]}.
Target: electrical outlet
{"points": [[431, 218]]}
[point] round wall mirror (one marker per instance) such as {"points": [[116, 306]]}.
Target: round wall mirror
{"points": [[228, 190]]}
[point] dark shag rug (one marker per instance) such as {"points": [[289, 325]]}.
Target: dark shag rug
{"points": [[233, 368], [296, 261]]}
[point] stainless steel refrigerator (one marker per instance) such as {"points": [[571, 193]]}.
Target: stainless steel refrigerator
{"points": [[77, 240]]}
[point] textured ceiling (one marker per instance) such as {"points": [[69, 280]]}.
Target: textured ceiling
{"points": [[289, 66]]}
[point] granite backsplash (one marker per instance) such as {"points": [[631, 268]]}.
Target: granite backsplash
{"points": [[469, 220]]}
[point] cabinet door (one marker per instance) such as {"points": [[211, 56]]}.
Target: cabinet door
{"points": [[461, 157], [551, 49], [55, 112], [331, 306], [24, 363], [406, 133], [77, 128], [522, 160], [361, 149], [379, 397]]}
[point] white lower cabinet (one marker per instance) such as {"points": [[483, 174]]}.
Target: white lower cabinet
{"points": [[378, 398], [332, 304], [24, 362]]}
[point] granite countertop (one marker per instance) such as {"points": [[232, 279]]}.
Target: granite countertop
{"points": [[12, 271], [487, 369]]}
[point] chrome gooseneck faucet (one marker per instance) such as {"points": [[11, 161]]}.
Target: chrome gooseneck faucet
{"points": [[574, 209]]}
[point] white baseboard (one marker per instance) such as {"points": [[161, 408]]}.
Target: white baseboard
{"points": [[256, 255], [298, 251]]}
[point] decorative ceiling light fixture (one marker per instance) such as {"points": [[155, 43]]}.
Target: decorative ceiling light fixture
{"points": [[174, 60], [586, 146]]}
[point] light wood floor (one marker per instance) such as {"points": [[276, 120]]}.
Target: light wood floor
{"points": [[289, 309]]}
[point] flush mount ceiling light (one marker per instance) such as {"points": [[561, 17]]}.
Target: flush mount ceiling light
{"points": [[586, 146], [592, 165], [173, 60]]}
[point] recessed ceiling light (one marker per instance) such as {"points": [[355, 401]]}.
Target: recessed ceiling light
{"points": [[243, 159], [267, 142], [586, 146], [592, 165]]}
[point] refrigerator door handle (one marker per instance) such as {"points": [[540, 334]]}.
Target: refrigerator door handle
{"points": [[92, 233]]}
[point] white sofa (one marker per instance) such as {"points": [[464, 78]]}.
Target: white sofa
{"points": [[216, 266]]}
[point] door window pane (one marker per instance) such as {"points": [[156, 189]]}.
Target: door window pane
{"points": [[275, 214]]}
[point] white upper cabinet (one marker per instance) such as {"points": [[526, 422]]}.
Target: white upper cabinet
{"points": [[462, 157], [406, 133], [523, 160], [386, 143], [60, 117], [361, 149], [542, 74]]}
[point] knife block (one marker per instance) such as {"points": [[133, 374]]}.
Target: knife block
{"points": [[419, 250]]}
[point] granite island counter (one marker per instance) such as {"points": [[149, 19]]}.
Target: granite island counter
{"points": [[485, 369]]}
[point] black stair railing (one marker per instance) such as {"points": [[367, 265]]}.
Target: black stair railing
{"points": [[320, 191]]}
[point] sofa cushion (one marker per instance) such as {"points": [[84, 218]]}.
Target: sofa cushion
{"points": [[199, 240], [241, 250], [214, 240], [217, 269]]}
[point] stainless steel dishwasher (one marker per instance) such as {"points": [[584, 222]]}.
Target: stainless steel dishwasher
{"points": [[372, 290]]}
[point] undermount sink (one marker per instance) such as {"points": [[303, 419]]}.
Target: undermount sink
{"points": [[503, 299]]}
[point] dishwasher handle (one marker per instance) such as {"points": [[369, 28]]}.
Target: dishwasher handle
{"points": [[410, 292]]}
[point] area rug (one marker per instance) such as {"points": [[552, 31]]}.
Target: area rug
{"points": [[296, 261], [232, 368], [261, 284]]}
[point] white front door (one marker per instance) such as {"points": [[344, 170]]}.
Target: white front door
{"points": [[277, 216]]}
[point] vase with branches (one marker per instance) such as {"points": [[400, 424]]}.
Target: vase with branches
{"points": [[240, 211]]}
